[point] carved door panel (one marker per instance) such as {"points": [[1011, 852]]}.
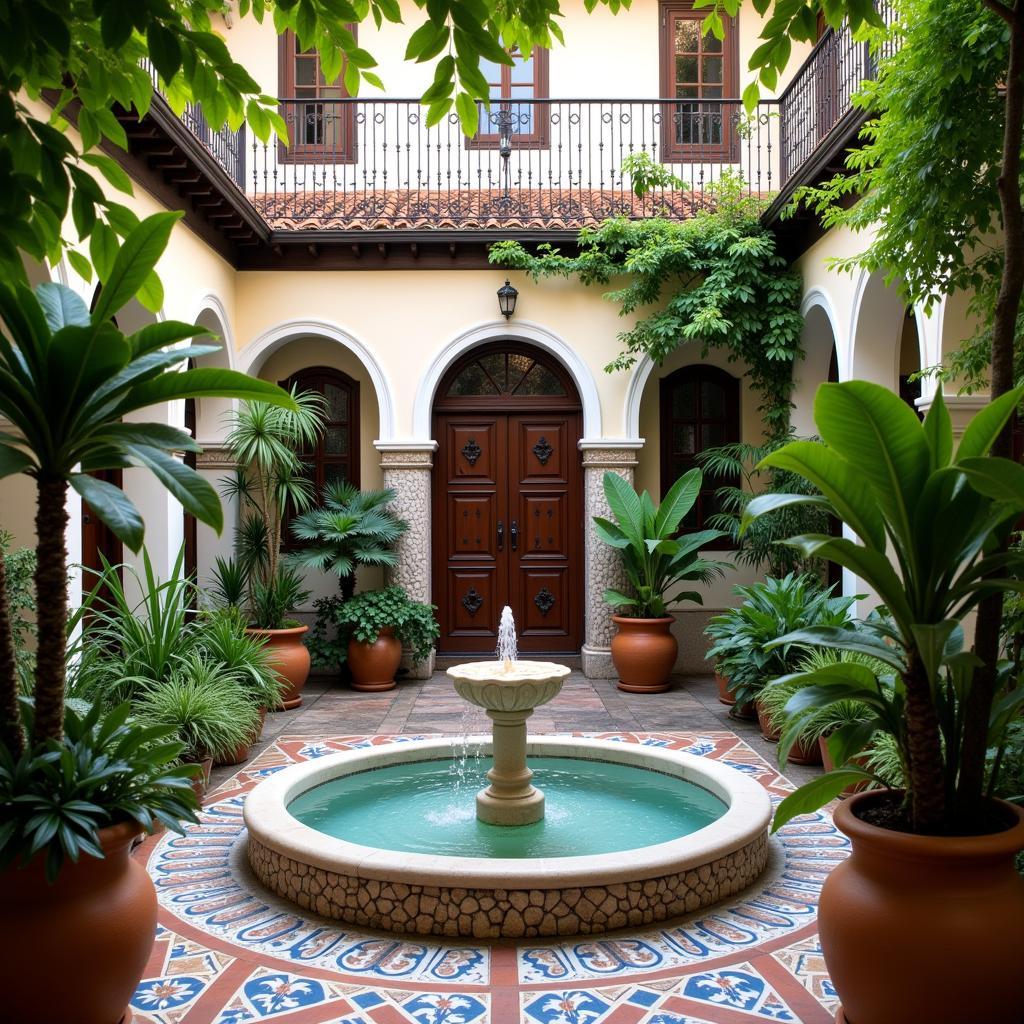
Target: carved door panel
{"points": [[507, 530]]}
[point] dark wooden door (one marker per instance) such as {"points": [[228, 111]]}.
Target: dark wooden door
{"points": [[508, 530]]}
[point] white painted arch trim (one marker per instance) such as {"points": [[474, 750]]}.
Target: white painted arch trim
{"points": [[818, 298], [252, 357], [210, 303], [498, 330]]}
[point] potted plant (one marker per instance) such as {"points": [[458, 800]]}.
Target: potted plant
{"points": [[744, 637], [264, 442], [206, 707], [66, 880], [930, 888], [377, 624], [226, 643], [656, 560]]}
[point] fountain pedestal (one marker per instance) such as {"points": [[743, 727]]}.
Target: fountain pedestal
{"points": [[509, 697]]}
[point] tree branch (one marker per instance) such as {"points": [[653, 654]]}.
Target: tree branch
{"points": [[999, 9]]}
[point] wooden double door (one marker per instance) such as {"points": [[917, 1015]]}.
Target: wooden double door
{"points": [[508, 529]]}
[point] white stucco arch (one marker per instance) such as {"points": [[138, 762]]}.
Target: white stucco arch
{"points": [[252, 357], [497, 330], [210, 308], [642, 370]]}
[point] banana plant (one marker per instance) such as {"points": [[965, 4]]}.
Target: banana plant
{"points": [[69, 380], [656, 558], [931, 523]]}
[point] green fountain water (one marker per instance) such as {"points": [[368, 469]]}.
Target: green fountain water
{"points": [[592, 807]]}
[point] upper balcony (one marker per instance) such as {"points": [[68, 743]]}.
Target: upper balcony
{"points": [[369, 177]]}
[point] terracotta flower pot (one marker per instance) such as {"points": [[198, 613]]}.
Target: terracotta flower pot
{"points": [[201, 782], [289, 656], [747, 712], [373, 666], [723, 690], [925, 928], [95, 925], [241, 753], [770, 732], [829, 764], [644, 653]]}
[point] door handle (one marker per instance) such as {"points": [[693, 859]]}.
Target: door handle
{"points": [[501, 535], [513, 535]]}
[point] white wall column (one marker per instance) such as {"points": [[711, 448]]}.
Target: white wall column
{"points": [[603, 567], [407, 469]]}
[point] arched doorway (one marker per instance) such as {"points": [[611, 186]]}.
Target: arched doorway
{"points": [[508, 501]]}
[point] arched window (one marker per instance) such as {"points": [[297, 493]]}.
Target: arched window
{"points": [[700, 409], [336, 454]]}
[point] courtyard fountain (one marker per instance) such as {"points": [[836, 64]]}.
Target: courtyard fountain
{"points": [[617, 834]]}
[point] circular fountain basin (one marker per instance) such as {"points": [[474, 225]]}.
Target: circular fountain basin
{"points": [[708, 842]]}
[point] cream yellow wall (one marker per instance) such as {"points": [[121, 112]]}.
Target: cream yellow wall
{"points": [[605, 55], [406, 318]]}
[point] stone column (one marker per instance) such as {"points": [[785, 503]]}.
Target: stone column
{"points": [[603, 567], [407, 470]]}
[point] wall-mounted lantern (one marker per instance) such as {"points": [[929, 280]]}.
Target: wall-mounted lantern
{"points": [[507, 296]]}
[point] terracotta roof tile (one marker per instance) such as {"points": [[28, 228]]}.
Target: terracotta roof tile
{"points": [[398, 209]]}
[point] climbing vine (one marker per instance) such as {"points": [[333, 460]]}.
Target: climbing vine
{"points": [[716, 278]]}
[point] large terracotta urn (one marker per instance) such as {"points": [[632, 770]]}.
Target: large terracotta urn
{"points": [[74, 951], [289, 656], [925, 928], [644, 653], [373, 666]]}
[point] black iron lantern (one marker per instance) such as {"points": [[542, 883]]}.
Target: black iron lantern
{"points": [[507, 296]]}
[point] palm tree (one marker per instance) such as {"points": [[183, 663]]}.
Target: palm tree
{"points": [[68, 379], [353, 528]]}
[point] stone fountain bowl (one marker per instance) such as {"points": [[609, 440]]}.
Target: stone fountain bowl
{"points": [[526, 686]]}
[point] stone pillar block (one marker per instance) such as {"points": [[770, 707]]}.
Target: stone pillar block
{"points": [[603, 567], [407, 470]]}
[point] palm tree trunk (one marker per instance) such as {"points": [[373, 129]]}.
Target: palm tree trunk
{"points": [[10, 720], [978, 705], [52, 604], [925, 771]]}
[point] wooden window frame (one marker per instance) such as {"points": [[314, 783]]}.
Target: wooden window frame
{"points": [[539, 137], [674, 152], [304, 153], [698, 372], [313, 378]]}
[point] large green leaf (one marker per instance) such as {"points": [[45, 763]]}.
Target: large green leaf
{"points": [[112, 506], [765, 503], [938, 432], [195, 494], [625, 505], [987, 424], [155, 435], [881, 438], [677, 503], [609, 533], [61, 306], [840, 638], [835, 478], [138, 256], [13, 460], [816, 794], [205, 383], [870, 565], [1000, 479], [79, 360], [164, 333]]}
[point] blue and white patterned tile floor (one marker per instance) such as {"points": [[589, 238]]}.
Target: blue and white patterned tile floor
{"points": [[228, 953]]}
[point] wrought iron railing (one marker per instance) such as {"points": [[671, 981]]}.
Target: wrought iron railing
{"points": [[227, 147], [821, 93], [364, 164]]}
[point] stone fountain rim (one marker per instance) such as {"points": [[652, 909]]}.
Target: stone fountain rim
{"points": [[746, 818]]}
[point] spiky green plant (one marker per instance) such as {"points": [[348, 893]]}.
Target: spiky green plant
{"points": [[205, 704], [351, 529]]}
